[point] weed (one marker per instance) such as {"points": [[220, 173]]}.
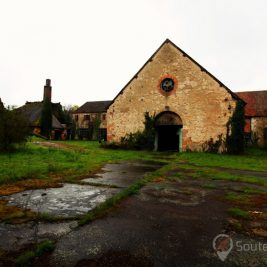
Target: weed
{"points": [[27, 257], [209, 186], [239, 213], [104, 207]]}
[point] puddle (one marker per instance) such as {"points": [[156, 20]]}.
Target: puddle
{"points": [[68, 201], [123, 174], [72, 200]]}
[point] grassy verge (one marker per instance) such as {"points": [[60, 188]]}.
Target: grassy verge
{"points": [[253, 159], [209, 173]]}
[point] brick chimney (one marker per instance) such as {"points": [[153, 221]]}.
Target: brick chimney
{"points": [[48, 90]]}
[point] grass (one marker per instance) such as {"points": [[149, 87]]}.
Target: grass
{"points": [[253, 159], [239, 213], [203, 172], [28, 256], [38, 162]]}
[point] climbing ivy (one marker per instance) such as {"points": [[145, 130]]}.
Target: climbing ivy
{"points": [[235, 141], [46, 118]]}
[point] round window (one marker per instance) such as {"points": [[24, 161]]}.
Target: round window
{"points": [[167, 85]]}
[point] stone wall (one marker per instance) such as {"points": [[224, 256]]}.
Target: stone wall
{"points": [[258, 124], [81, 122], [203, 105]]}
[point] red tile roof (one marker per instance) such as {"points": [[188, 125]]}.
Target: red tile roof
{"points": [[256, 103]]}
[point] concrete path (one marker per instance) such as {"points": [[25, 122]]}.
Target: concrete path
{"points": [[69, 201]]}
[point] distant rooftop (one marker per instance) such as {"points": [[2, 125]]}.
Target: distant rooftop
{"points": [[256, 103], [93, 107]]}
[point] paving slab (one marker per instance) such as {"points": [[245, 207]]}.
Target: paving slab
{"points": [[15, 237], [70, 200]]}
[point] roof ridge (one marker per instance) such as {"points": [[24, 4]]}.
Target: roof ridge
{"points": [[186, 55]]}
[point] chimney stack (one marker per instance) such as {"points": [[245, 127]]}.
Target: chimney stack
{"points": [[47, 90]]}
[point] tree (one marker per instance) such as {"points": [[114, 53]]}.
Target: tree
{"points": [[13, 129], [235, 141]]}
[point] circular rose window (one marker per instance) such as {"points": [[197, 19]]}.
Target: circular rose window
{"points": [[167, 85]]}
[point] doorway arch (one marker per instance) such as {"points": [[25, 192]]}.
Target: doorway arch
{"points": [[168, 131]]}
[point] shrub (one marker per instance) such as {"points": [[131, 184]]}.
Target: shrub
{"points": [[13, 129], [138, 140], [141, 140]]}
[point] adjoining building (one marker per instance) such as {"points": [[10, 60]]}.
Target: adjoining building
{"points": [[90, 120], [255, 116], [33, 113]]}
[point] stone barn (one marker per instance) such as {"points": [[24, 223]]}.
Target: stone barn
{"points": [[190, 104]]}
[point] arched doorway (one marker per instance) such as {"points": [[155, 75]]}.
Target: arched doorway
{"points": [[169, 132]]}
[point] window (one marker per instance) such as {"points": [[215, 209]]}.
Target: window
{"points": [[103, 117], [87, 117], [76, 117], [167, 85]]}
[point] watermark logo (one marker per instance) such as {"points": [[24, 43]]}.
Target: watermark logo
{"points": [[222, 244]]}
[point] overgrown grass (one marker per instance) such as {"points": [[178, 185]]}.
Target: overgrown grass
{"points": [[35, 161]]}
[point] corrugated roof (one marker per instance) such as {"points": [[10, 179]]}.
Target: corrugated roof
{"points": [[256, 103], [93, 107]]}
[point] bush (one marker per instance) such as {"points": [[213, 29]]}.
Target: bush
{"points": [[141, 140], [138, 140], [13, 129]]}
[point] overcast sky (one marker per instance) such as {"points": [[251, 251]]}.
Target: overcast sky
{"points": [[91, 48]]}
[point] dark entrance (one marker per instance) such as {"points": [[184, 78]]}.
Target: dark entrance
{"points": [[168, 138], [168, 125]]}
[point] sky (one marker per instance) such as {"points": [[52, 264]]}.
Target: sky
{"points": [[91, 48]]}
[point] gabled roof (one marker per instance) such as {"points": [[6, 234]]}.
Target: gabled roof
{"points": [[33, 110], [256, 103], [55, 123], [93, 107], [185, 55]]}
